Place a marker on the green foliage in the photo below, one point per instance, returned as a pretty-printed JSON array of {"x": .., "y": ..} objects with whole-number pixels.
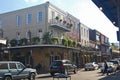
[
  {"x": 70, "y": 42},
  {"x": 23, "y": 41},
  {"x": 64, "y": 42},
  {"x": 74, "y": 44},
  {"x": 13, "y": 42},
  {"x": 54, "y": 40},
  {"x": 47, "y": 38},
  {"x": 57, "y": 18},
  {"x": 35, "y": 40}
]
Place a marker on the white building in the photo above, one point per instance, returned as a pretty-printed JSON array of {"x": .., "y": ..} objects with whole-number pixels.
[{"x": 36, "y": 21}]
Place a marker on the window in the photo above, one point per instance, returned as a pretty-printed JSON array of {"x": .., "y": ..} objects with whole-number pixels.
[
  {"x": 97, "y": 38},
  {"x": 12, "y": 66},
  {"x": 39, "y": 34},
  {"x": 19, "y": 20},
  {"x": 20, "y": 66},
  {"x": 18, "y": 36},
  {"x": 28, "y": 34},
  {"x": 39, "y": 17},
  {"x": 29, "y": 18},
  {"x": 53, "y": 15},
  {"x": 4, "y": 66}
]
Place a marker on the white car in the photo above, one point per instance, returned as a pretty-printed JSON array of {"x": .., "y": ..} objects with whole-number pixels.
[
  {"x": 91, "y": 66},
  {"x": 111, "y": 67}
]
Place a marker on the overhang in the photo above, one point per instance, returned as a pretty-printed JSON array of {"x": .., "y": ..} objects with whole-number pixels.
[{"x": 109, "y": 8}]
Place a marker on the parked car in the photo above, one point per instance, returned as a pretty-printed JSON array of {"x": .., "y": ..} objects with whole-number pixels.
[
  {"x": 116, "y": 63},
  {"x": 111, "y": 67},
  {"x": 100, "y": 65},
  {"x": 12, "y": 70},
  {"x": 91, "y": 66},
  {"x": 62, "y": 66}
]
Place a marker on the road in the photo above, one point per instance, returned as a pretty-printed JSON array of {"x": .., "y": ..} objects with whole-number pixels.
[{"x": 81, "y": 75}]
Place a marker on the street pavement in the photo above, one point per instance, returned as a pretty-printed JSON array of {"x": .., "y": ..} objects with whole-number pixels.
[{"x": 83, "y": 75}]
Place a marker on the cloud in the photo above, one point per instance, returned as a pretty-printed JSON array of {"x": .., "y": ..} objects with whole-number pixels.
[{"x": 31, "y": 1}]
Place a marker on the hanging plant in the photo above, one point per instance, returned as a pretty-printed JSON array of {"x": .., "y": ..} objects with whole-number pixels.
[
  {"x": 64, "y": 22},
  {"x": 67, "y": 23},
  {"x": 57, "y": 18},
  {"x": 60, "y": 20},
  {"x": 71, "y": 25}
]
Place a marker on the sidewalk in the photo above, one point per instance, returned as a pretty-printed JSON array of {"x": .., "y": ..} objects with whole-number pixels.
[{"x": 113, "y": 76}]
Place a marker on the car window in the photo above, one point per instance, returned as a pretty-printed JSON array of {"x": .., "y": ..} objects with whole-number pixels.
[
  {"x": 3, "y": 66},
  {"x": 115, "y": 62},
  {"x": 12, "y": 66},
  {"x": 56, "y": 63},
  {"x": 67, "y": 62},
  {"x": 20, "y": 66}
]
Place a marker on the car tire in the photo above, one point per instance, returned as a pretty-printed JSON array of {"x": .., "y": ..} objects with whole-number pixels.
[
  {"x": 32, "y": 76},
  {"x": 86, "y": 69},
  {"x": 65, "y": 71},
  {"x": 52, "y": 74},
  {"x": 75, "y": 71},
  {"x": 7, "y": 78}
]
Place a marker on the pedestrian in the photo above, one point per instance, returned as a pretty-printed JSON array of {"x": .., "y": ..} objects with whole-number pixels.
[{"x": 105, "y": 68}]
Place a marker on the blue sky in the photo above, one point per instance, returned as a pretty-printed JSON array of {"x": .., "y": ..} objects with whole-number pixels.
[{"x": 85, "y": 10}]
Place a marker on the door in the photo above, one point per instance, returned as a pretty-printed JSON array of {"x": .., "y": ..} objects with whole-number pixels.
[
  {"x": 22, "y": 72},
  {"x": 13, "y": 70}
]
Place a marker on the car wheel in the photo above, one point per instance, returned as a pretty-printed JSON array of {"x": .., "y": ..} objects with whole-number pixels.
[
  {"x": 75, "y": 70},
  {"x": 86, "y": 69},
  {"x": 7, "y": 78},
  {"x": 52, "y": 74},
  {"x": 66, "y": 71},
  {"x": 32, "y": 76}
]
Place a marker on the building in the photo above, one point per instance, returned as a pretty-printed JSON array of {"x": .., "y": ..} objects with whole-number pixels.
[
  {"x": 100, "y": 43},
  {"x": 41, "y": 21},
  {"x": 22, "y": 26},
  {"x": 84, "y": 35},
  {"x": 36, "y": 21}
]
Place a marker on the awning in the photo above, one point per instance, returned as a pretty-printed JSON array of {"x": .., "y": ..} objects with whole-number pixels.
[
  {"x": 3, "y": 41},
  {"x": 109, "y": 8}
]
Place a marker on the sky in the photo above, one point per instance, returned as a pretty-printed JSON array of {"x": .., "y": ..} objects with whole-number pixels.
[{"x": 85, "y": 10}]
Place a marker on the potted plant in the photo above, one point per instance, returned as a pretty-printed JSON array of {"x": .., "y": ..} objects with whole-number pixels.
[
  {"x": 60, "y": 20},
  {"x": 67, "y": 23},
  {"x": 57, "y": 18},
  {"x": 71, "y": 25},
  {"x": 64, "y": 22}
]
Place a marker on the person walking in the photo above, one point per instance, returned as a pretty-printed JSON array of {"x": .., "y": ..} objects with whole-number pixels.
[{"x": 105, "y": 68}]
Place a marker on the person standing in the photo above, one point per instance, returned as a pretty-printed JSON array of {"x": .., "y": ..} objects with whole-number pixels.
[{"x": 105, "y": 68}]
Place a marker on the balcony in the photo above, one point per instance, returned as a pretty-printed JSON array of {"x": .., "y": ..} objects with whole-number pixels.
[{"x": 60, "y": 25}]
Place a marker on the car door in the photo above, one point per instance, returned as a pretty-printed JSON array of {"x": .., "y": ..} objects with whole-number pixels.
[
  {"x": 13, "y": 70},
  {"x": 22, "y": 72},
  {"x": 70, "y": 66}
]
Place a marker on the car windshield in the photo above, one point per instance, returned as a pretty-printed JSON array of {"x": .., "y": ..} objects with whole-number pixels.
[{"x": 115, "y": 62}]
